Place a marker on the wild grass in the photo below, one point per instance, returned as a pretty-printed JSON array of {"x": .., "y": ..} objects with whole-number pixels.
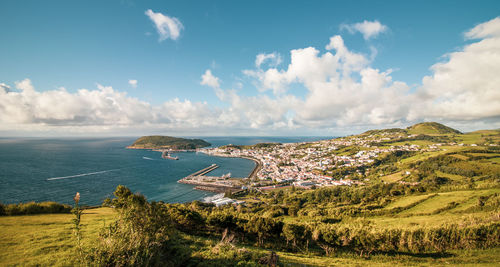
[
  {"x": 391, "y": 178},
  {"x": 405, "y": 201},
  {"x": 47, "y": 239},
  {"x": 454, "y": 177},
  {"x": 438, "y": 202},
  {"x": 428, "y": 221}
]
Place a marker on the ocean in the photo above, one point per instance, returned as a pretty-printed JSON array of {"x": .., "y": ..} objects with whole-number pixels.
[{"x": 34, "y": 169}]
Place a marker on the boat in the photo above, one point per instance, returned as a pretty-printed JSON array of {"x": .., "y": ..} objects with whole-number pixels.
[{"x": 166, "y": 155}]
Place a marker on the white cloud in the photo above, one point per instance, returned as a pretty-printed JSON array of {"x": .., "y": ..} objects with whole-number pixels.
[
  {"x": 101, "y": 110},
  {"x": 466, "y": 85},
  {"x": 274, "y": 59},
  {"x": 335, "y": 95},
  {"x": 133, "y": 83},
  {"x": 4, "y": 88},
  {"x": 167, "y": 27},
  {"x": 369, "y": 29},
  {"x": 484, "y": 30},
  {"x": 209, "y": 79},
  {"x": 341, "y": 90}
]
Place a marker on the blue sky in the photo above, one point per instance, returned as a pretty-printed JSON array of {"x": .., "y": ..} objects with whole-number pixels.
[{"x": 91, "y": 44}]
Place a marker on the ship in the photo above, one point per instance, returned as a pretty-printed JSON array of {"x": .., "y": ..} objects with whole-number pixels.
[{"x": 167, "y": 155}]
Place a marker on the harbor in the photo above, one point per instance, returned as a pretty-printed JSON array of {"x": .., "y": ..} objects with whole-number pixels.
[{"x": 213, "y": 183}]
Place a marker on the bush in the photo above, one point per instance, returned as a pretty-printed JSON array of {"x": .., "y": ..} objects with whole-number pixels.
[
  {"x": 34, "y": 208},
  {"x": 143, "y": 235}
]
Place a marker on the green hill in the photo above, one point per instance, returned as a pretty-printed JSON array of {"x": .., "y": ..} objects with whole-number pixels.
[
  {"x": 431, "y": 128},
  {"x": 382, "y": 131},
  {"x": 167, "y": 142}
]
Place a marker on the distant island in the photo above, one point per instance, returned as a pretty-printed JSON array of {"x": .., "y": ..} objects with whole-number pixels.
[{"x": 167, "y": 142}]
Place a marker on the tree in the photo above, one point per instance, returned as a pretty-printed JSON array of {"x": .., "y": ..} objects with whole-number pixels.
[{"x": 264, "y": 228}]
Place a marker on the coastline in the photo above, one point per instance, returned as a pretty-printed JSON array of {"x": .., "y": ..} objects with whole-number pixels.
[
  {"x": 208, "y": 185},
  {"x": 161, "y": 149}
]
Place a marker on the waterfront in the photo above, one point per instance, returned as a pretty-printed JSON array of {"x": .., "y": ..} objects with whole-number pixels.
[{"x": 54, "y": 169}]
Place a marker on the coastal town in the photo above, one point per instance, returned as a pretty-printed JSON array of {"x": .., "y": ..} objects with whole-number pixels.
[{"x": 310, "y": 164}]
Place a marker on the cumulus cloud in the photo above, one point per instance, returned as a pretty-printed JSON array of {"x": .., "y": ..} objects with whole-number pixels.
[
  {"x": 274, "y": 59},
  {"x": 133, "y": 83},
  {"x": 342, "y": 90},
  {"x": 101, "y": 109},
  {"x": 335, "y": 96},
  {"x": 484, "y": 30},
  {"x": 466, "y": 85},
  {"x": 4, "y": 88},
  {"x": 369, "y": 29},
  {"x": 167, "y": 27},
  {"x": 209, "y": 79}
]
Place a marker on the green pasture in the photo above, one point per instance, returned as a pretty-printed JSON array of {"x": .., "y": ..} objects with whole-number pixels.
[{"x": 47, "y": 239}]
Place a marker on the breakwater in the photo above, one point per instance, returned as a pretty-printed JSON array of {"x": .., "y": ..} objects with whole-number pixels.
[
  {"x": 204, "y": 171},
  {"x": 212, "y": 183}
]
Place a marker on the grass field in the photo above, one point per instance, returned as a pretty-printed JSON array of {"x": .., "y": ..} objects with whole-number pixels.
[
  {"x": 454, "y": 177},
  {"x": 431, "y": 221},
  {"x": 439, "y": 201},
  {"x": 495, "y": 160},
  {"x": 486, "y": 257},
  {"x": 405, "y": 201},
  {"x": 426, "y": 155},
  {"x": 46, "y": 240},
  {"x": 391, "y": 178}
]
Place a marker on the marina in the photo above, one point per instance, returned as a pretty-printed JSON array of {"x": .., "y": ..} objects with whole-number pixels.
[{"x": 213, "y": 183}]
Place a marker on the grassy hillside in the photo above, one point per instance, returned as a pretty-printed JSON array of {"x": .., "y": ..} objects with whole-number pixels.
[
  {"x": 47, "y": 240},
  {"x": 167, "y": 142},
  {"x": 431, "y": 128}
]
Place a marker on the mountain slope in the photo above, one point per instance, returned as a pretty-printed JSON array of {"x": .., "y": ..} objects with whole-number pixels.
[{"x": 431, "y": 128}]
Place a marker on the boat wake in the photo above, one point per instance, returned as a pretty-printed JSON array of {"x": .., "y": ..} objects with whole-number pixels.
[
  {"x": 147, "y": 158},
  {"x": 80, "y": 175}
]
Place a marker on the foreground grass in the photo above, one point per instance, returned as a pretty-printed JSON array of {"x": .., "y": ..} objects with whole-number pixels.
[
  {"x": 209, "y": 254},
  {"x": 487, "y": 257},
  {"x": 46, "y": 239}
]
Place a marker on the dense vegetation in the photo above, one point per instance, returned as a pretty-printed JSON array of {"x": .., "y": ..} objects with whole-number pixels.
[
  {"x": 153, "y": 233},
  {"x": 168, "y": 142},
  {"x": 33, "y": 208}
]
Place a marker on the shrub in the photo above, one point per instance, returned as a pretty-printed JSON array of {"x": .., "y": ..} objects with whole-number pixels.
[
  {"x": 34, "y": 208},
  {"x": 143, "y": 235}
]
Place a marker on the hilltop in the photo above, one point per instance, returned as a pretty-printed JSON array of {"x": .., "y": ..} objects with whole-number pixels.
[
  {"x": 431, "y": 128},
  {"x": 167, "y": 142},
  {"x": 426, "y": 128}
]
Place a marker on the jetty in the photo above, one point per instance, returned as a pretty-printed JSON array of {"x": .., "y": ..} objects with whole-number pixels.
[
  {"x": 212, "y": 183},
  {"x": 204, "y": 171}
]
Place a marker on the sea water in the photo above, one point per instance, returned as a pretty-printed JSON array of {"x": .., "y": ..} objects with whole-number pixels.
[{"x": 33, "y": 169}]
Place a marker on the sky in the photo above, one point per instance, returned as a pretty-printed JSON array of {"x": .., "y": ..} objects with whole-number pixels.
[{"x": 216, "y": 68}]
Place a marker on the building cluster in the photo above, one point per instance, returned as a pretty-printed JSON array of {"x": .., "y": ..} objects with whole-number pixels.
[{"x": 305, "y": 164}]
